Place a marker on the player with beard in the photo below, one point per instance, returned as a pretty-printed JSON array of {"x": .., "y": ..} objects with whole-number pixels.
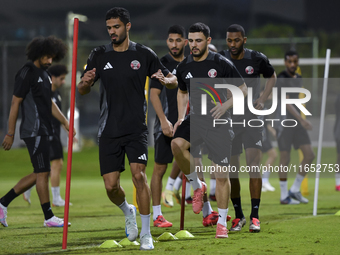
[
  {"x": 251, "y": 64},
  {"x": 204, "y": 64},
  {"x": 122, "y": 67},
  {"x": 32, "y": 91},
  {"x": 296, "y": 136},
  {"x": 164, "y": 102}
]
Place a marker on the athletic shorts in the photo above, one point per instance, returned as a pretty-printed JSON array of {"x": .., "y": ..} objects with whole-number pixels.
[
  {"x": 249, "y": 137},
  {"x": 163, "y": 152},
  {"x": 56, "y": 149},
  {"x": 39, "y": 150},
  {"x": 295, "y": 136},
  {"x": 196, "y": 152},
  {"x": 112, "y": 151},
  {"x": 266, "y": 142}
]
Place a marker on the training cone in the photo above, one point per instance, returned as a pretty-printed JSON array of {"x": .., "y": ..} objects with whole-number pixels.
[
  {"x": 166, "y": 236},
  {"x": 127, "y": 242},
  {"x": 338, "y": 213},
  {"x": 110, "y": 244},
  {"x": 183, "y": 234}
]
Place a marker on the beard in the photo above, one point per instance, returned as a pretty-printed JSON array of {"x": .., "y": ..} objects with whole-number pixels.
[
  {"x": 179, "y": 53},
  {"x": 119, "y": 39},
  {"x": 238, "y": 50},
  {"x": 200, "y": 52},
  {"x": 44, "y": 66}
]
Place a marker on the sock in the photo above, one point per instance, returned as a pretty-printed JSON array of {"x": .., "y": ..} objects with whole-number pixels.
[
  {"x": 265, "y": 176},
  {"x": 194, "y": 181},
  {"x": 222, "y": 217},
  {"x": 187, "y": 190},
  {"x": 212, "y": 186},
  {"x": 47, "y": 210},
  {"x": 145, "y": 225},
  {"x": 297, "y": 183},
  {"x": 284, "y": 189},
  {"x": 255, "y": 204},
  {"x": 55, "y": 193},
  {"x": 156, "y": 211},
  {"x": 237, "y": 206},
  {"x": 170, "y": 184},
  {"x": 178, "y": 183},
  {"x": 337, "y": 179},
  {"x": 126, "y": 208},
  {"x": 9, "y": 197},
  {"x": 206, "y": 209}
]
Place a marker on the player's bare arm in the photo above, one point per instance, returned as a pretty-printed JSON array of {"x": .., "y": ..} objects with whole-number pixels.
[
  {"x": 170, "y": 81},
  {"x": 259, "y": 103},
  {"x": 182, "y": 102},
  {"x": 60, "y": 117},
  {"x": 166, "y": 125},
  {"x": 13, "y": 115},
  {"x": 219, "y": 109},
  {"x": 84, "y": 86}
]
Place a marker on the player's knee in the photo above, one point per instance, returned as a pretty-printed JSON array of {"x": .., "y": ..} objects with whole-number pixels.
[
  {"x": 176, "y": 147},
  {"x": 139, "y": 178},
  {"x": 112, "y": 187},
  {"x": 309, "y": 157}
]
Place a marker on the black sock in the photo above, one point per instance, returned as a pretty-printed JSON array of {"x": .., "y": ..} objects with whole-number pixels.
[
  {"x": 47, "y": 210},
  {"x": 6, "y": 199},
  {"x": 238, "y": 208},
  {"x": 255, "y": 204}
]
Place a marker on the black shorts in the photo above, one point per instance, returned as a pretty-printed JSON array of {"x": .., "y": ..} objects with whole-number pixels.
[
  {"x": 112, "y": 151},
  {"x": 39, "y": 150},
  {"x": 249, "y": 137},
  {"x": 266, "y": 142},
  {"x": 163, "y": 152},
  {"x": 295, "y": 136},
  {"x": 196, "y": 152},
  {"x": 56, "y": 149}
]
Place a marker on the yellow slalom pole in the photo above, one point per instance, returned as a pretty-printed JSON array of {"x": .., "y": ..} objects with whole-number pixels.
[
  {"x": 134, "y": 197},
  {"x": 304, "y": 184}
]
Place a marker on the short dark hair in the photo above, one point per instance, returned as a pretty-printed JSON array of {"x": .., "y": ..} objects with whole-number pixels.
[
  {"x": 46, "y": 46},
  {"x": 57, "y": 70},
  {"x": 118, "y": 12},
  {"x": 177, "y": 29},
  {"x": 291, "y": 53},
  {"x": 200, "y": 27},
  {"x": 236, "y": 28}
]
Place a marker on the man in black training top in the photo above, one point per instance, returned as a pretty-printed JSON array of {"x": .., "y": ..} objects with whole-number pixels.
[
  {"x": 32, "y": 91},
  {"x": 122, "y": 67},
  {"x": 164, "y": 102},
  {"x": 251, "y": 64},
  {"x": 204, "y": 64}
]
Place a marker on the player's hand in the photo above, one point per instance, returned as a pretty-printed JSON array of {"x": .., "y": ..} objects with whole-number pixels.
[
  {"x": 218, "y": 110},
  {"x": 306, "y": 125},
  {"x": 88, "y": 77},
  {"x": 8, "y": 142},
  {"x": 259, "y": 104},
  {"x": 159, "y": 76},
  {"x": 179, "y": 122},
  {"x": 67, "y": 128},
  {"x": 167, "y": 128}
]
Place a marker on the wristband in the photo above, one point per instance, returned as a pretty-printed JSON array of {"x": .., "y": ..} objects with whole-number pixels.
[{"x": 10, "y": 135}]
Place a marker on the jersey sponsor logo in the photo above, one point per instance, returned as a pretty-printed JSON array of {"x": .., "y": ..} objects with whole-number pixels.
[
  {"x": 189, "y": 76},
  {"x": 108, "y": 66},
  {"x": 212, "y": 73},
  {"x": 142, "y": 157},
  {"x": 40, "y": 80},
  {"x": 249, "y": 70},
  {"x": 59, "y": 97},
  {"x": 174, "y": 71},
  {"x": 135, "y": 65}
]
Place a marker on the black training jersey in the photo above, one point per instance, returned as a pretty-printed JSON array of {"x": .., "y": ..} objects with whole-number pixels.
[
  {"x": 34, "y": 86},
  {"x": 251, "y": 66},
  {"x": 167, "y": 96},
  {"x": 122, "y": 87},
  {"x": 214, "y": 66},
  {"x": 56, "y": 98}
]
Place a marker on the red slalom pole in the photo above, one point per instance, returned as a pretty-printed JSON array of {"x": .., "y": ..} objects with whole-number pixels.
[
  {"x": 184, "y": 183},
  {"x": 71, "y": 129}
]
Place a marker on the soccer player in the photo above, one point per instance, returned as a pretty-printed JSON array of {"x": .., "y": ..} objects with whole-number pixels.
[
  {"x": 164, "y": 102},
  {"x": 32, "y": 91},
  {"x": 122, "y": 67},
  {"x": 251, "y": 64},
  {"x": 58, "y": 74},
  {"x": 204, "y": 64},
  {"x": 296, "y": 136},
  {"x": 337, "y": 139}
]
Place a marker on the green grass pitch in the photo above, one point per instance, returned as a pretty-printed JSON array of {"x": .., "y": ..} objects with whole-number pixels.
[{"x": 284, "y": 228}]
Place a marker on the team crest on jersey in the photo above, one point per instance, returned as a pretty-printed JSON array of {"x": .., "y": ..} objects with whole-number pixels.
[
  {"x": 249, "y": 70},
  {"x": 212, "y": 73},
  {"x": 135, "y": 65}
]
